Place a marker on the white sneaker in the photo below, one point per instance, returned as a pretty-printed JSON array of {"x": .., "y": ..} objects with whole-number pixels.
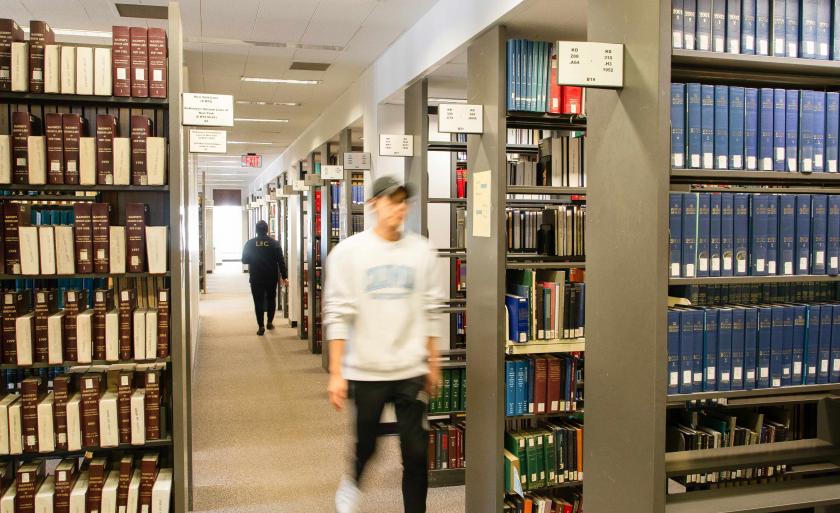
[{"x": 347, "y": 496}]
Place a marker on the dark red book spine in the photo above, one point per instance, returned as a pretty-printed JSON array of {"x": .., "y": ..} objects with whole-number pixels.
[
  {"x": 73, "y": 129},
  {"x": 139, "y": 62},
  {"x": 106, "y": 130},
  {"x": 121, "y": 60},
  {"x": 157, "y": 63},
  {"x": 30, "y": 395},
  {"x": 28, "y": 480},
  {"x": 13, "y": 303},
  {"x": 15, "y": 215},
  {"x": 9, "y": 32},
  {"x": 540, "y": 375},
  {"x": 91, "y": 393},
  {"x": 72, "y": 301},
  {"x": 61, "y": 394},
  {"x": 126, "y": 472},
  {"x": 23, "y": 125},
  {"x": 163, "y": 324},
  {"x": 96, "y": 475},
  {"x": 124, "y": 391},
  {"x": 153, "y": 387},
  {"x": 553, "y": 385},
  {"x": 555, "y": 90},
  {"x": 148, "y": 475},
  {"x": 102, "y": 303},
  {"x": 141, "y": 129},
  {"x": 64, "y": 482},
  {"x": 40, "y": 35},
  {"x": 45, "y": 305},
  {"x": 55, "y": 148},
  {"x": 136, "y": 219},
  {"x": 83, "y": 237},
  {"x": 127, "y": 305},
  {"x": 100, "y": 214}
]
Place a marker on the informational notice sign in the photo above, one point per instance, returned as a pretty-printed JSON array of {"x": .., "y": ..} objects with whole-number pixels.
[
  {"x": 459, "y": 118},
  {"x": 299, "y": 186},
  {"x": 391, "y": 145},
  {"x": 357, "y": 161},
  {"x": 208, "y": 109},
  {"x": 332, "y": 172},
  {"x": 590, "y": 64},
  {"x": 208, "y": 141}
]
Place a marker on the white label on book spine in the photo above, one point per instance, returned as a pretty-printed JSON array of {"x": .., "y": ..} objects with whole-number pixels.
[
  {"x": 818, "y": 160},
  {"x": 689, "y": 41},
  {"x": 704, "y": 264},
  {"x": 678, "y": 159},
  {"x": 809, "y": 47},
  {"x": 786, "y": 371},
  {"x": 689, "y": 270},
  {"x": 727, "y": 263},
  {"x": 797, "y": 367},
  {"x": 720, "y": 45},
  {"x": 836, "y": 365},
  {"x": 724, "y": 377},
  {"x": 803, "y": 263},
  {"x": 807, "y": 165},
  {"x": 788, "y": 268},
  {"x": 710, "y": 373},
  {"x": 703, "y": 43},
  {"x": 677, "y": 39},
  {"x": 695, "y": 160},
  {"x": 751, "y": 162},
  {"x": 763, "y": 47},
  {"x": 749, "y": 42},
  {"x": 737, "y": 372},
  {"x": 792, "y": 164},
  {"x": 708, "y": 160},
  {"x": 698, "y": 377},
  {"x": 686, "y": 377},
  {"x": 674, "y": 381},
  {"x": 779, "y": 46},
  {"x": 764, "y": 372},
  {"x": 742, "y": 266},
  {"x": 722, "y": 161},
  {"x": 824, "y": 46},
  {"x": 771, "y": 267},
  {"x": 750, "y": 374},
  {"x": 715, "y": 263},
  {"x": 734, "y": 46},
  {"x": 759, "y": 265},
  {"x": 737, "y": 161},
  {"x": 812, "y": 371},
  {"x": 777, "y": 382},
  {"x": 820, "y": 257},
  {"x": 832, "y": 166},
  {"x": 675, "y": 270},
  {"x": 780, "y": 154},
  {"x": 833, "y": 262},
  {"x": 767, "y": 164}
]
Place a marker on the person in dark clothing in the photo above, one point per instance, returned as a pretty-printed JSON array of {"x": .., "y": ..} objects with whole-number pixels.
[{"x": 265, "y": 265}]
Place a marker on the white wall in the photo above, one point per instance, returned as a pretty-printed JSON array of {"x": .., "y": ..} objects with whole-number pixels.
[{"x": 440, "y": 170}]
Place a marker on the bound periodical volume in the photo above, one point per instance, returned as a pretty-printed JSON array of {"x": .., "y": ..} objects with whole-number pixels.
[
  {"x": 549, "y": 455},
  {"x": 550, "y": 501},
  {"x": 450, "y": 395},
  {"x": 806, "y": 29},
  {"x": 557, "y": 230},
  {"x": 447, "y": 445},
  {"x": 545, "y": 305},
  {"x": 713, "y": 234},
  {"x": 756, "y": 293},
  {"x": 752, "y": 347},
  {"x": 538, "y": 385},
  {"x": 532, "y": 80},
  {"x": 766, "y": 129}
]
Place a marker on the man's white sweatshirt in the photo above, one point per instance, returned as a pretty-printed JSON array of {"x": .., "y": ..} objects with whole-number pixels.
[{"x": 381, "y": 297}]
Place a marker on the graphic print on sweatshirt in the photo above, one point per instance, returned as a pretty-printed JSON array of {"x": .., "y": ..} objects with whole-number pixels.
[{"x": 389, "y": 282}]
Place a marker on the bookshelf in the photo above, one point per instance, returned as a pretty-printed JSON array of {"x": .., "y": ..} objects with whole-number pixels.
[
  {"x": 166, "y": 204},
  {"x": 314, "y": 233},
  {"x": 283, "y": 237},
  {"x": 298, "y": 173}
]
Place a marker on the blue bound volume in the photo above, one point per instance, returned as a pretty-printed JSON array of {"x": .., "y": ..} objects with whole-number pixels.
[
  {"x": 835, "y": 52},
  {"x": 751, "y": 128},
  {"x": 823, "y": 29},
  {"x": 727, "y": 241},
  {"x": 792, "y": 130},
  {"x": 765, "y": 135},
  {"x": 803, "y": 233},
  {"x": 808, "y": 28},
  {"x": 806, "y": 131},
  {"x": 724, "y": 350},
  {"x": 765, "y": 340},
  {"x": 677, "y": 23},
  {"x": 819, "y": 232},
  {"x": 689, "y": 24},
  {"x": 832, "y": 249},
  {"x": 719, "y": 26},
  {"x": 510, "y": 388},
  {"x": 707, "y": 124},
  {"x": 812, "y": 345},
  {"x": 698, "y": 356},
  {"x": 518, "y": 316},
  {"x": 832, "y": 130},
  {"x": 748, "y": 27},
  {"x": 778, "y": 28},
  {"x": 511, "y": 92},
  {"x": 673, "y": 351},
  {"x": 721, "y": 127},
  {"x": 715, "y": 204},
  {"x": 529, "y": 386},
  {"x": 689, "y": 235},
  {"x": 787, "y": 233},
  {"x": 834, "y": 354},
  {"x": 787, "y": 346},
  {"x": 675, "y": 232},
  {"x": 704, "y": 25},
  {"x": 819, "y": 131},
  {"x": 703, "y": 232},
  {"x": 741, "y": 233},
  {"x": 751, "y": 347},
  {"x": 695, "y": 130},
  {"x": 758, "y": 235},
  {"x": 776, "y": 345},
  {"x": 710, "y": 350},
  {"x": 792, "y": 27},
  {"x": 762, "y": 27},
  {"x": 800, "y": 322},
  {"x": 686, "y": 352},
  {"x": 824, "y": 351},
  {"x": 733, "y": 26},
  {"x": 779, "y": 113},
  {"x": 678, "y": 125},
  {"x": 736, "y": 127},
  {"x": 772, "y": 234},
  {"x": 737, "y": 351}
]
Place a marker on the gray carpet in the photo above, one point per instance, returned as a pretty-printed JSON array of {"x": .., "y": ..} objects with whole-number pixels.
[{"x": 265, "y": 438}]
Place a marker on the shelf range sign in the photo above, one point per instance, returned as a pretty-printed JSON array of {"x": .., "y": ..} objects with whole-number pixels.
[
  {"x": 208, "y": 141},
  {"x": 208, "y": 109},
  {"x": 586, "y": 64},
  {"x": 459, "y": 118}
]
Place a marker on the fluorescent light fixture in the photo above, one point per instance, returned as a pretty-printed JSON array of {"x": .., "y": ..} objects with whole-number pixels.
[
  {"x": 280, "y": 80},
  {"x": 252, "y": 142},
  {"x": 261, "y": 120},
  {"x": 273, "y": 104},
  {"x": 78, "y": 32},
  {"x": 448, "y": 100}
]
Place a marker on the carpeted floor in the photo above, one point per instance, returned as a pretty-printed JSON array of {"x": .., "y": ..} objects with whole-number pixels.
[{"x": 265, "y": 439}]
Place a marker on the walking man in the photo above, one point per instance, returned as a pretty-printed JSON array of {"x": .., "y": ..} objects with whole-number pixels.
[
  {"x": 265, "y": 263},
  {"x": 380, "y": 304}
]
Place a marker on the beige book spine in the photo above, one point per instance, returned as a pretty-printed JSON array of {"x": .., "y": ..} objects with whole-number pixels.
[
  {"x": 78, "y": 497},
  {"x": 87, "y": 161},
  {"x": 74, "y": 423},
  {"x": 5, "y": 159},
  {"x": 16, "y": 428},
  {"x": 46, "y": 248},
  {"x": 151, "y": 333},
  {"x": 68, "y": 70},
  {"x": 109, "y": 493},
  {"x": 23, "y": 339},
  {"x": 45, "y": 498},
  {"x": 65, "y": 260},
  {"x": 52, "y": 67},
  {"x": 156, "y": 253},
  {"x": 5, "y": 405},
  {"x": 30, "y": 256},
  {"x": 117, "y": 249},
  {"x": 84, "y": 70},
  {"x": 36, "y": 152},
  {"x": 55, "y": 338},
  {"x": 139, "y": 319},
  {"x": 109, "y": 428},
  {"x": 134, "y": 492},
  {"x": 122, "y": 161},
  {"x": 162, "y": 491},
  {"x": 84, "y": 336},
  {"x": 156, "y": 160},
  {"x": 138, "y": 417},
  {"x": 7, "y": 503},
  {"x": 102, "y": 71},
  {"x": 112, "y": 335},
  {"x": 20, "y": 67},
  {"x": 46, "y": 427}
]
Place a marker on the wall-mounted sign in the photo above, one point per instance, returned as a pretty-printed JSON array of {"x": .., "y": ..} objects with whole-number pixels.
[
  {"x": 299, "y": 186},
  {"x": 357, "y": 161},
  {"x": 288, "y": 190},
  {"x": 251, "y": 160},
  {"x": 312, "y": 179},
  {"x": 460, "y": 118},
  {"x": 208, "y": 141},
  {"x": 590, "y": 64},
  {"x": 332, "y": 172},
  {"x": 392, "y": 145},
  {"x": 208, "y": 109}
]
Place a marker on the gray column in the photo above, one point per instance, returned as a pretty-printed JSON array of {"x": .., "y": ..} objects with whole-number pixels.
[{"x": 416, "y": 167}]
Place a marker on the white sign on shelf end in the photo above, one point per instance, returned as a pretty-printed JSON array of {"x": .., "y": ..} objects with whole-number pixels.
[
  {"x": 357, "y": 161},
  {"x": 208, "y": 109},
  {"x": 394, "y": 145},
  {"x": 332, "y": 172},
  {"x": 586, "y": 64},
  {"x": 459, "y": 118},
  {"x": 208, "y": 141}
]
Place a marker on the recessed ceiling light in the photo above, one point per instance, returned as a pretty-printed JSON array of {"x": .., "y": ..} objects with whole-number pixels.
[
  {"x": 259, "y": 120},
  {"x": 447, "y": 100},
  {"x": 78, "y": 32},
  {"x": 276, "y": 104},
  {"x": 280, "y": 80},
  {"x": 252, "y": 142}
]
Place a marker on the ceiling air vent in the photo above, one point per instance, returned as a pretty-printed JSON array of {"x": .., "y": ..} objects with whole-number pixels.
[
  {"x": 155, "y": 12},
  {"x": 309, "y": 66}
]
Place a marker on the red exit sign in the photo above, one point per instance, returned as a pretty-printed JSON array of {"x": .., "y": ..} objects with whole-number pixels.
[{"x": 251, "y": 160}]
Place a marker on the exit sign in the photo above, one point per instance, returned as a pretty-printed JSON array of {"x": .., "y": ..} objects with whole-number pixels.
[{"x": 251, "y": 160}]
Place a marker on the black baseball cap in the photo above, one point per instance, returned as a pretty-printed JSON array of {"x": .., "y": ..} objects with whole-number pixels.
[{"x": 387, "y": 185}]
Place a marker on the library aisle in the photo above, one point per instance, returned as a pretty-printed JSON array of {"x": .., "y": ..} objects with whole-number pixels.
[{"x": 264, "y": 436}]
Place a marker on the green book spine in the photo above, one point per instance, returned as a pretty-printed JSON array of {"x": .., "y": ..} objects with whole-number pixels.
[
  {"x": 463, "y": 389},
  {"x": 533, "y": 463},
  {"x": 541, "y": 458},
  {"x": 550, "y": 463},
  {"x": 446, "y": 392},
  {"x": 455, "y": 398}
]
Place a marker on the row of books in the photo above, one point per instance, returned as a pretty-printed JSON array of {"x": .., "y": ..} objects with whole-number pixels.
[
  {"x": 59, "y": 152},
  {"x": 88, "y": 407},
  {"x": 562, "y": 161},
  {"x": 536, "y": 385},
  {"x": 532, "y": 80},
  {"x": 526, "y": 136},
  {"x": 781, "y": 28},
  {"x": 557, "y": 230},
  {"x": 122, "y": 486},
  {"x": 718, "y": 295},
  {"x": 90, "y": 245},
  {"x": 135, "y": 64},
  {"x": 357, "y": 223},
  {"x": 733, "y": 127},
  {"x": 460, "y": 274},
  {"x": 461, "y": 182},
  {"x": 113, "y": 331},
  {"x": 460, "y": 338},
  {"x": 358, "y": 192},
  {"x": 746, "y": 348},
  {"x": 11, "y": 379},
  {"x": 447, "y": 445},
  {"x": 545, "y": 456},
  {"x": 740, "y": 234},
  {"x": 545, "y": 304},
  {"x": 450, "y": 395},
  {"x": 548, "y": 501}
]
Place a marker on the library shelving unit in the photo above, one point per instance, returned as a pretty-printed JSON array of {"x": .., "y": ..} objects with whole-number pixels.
[
  {"x": 299, "y": 173},
  {"x": 166, "y": 204},
  {"x": 314, "y": 232},
  {"x": 283, "y": 192}
]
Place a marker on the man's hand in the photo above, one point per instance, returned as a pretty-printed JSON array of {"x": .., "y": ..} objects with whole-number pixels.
[
  {"x": 432, "y": 378},
  {"x": 337, "y": 390}
]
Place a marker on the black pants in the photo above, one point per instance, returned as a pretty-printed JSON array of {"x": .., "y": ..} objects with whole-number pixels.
[
  {"x": 265, "y": 301},
  {"x": 370, "y": 397}
]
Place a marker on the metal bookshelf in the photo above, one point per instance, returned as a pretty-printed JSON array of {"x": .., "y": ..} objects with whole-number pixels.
[
  {"x": 167, "y": 204},
  {"x": 313, "y": 250}
]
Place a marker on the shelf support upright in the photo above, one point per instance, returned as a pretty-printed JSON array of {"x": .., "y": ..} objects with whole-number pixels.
[
  {"x": 310, "y": 252},
  {"x": 416, "y": 167},
  {"x": 486, "y": 77},
  {"x": 627, "y": 155},
  {"x": 345, "y": 207},
  {"x": 301, "y": 251}
]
